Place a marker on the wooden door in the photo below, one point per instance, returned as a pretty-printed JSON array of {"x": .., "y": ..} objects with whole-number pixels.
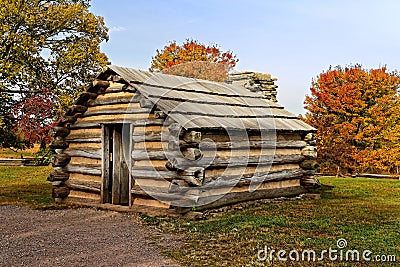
[{"x": 116, "y": 164}]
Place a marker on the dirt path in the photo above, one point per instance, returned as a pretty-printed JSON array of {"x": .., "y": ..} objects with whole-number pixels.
[{"x": 81, "y": 237}]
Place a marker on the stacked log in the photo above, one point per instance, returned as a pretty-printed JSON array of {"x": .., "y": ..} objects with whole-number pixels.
[
  {"x": 256, "y": 82},
  {"x": 309, "y": 164},
  {"x": 185, "y": 146},
  {"x": 151, "y": 178},
  {"x": 221, "y": 171},
  {"x": 60, "y": 160}
]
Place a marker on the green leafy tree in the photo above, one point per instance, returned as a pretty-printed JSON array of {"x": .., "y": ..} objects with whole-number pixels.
[{"x": 46, "y": 45}]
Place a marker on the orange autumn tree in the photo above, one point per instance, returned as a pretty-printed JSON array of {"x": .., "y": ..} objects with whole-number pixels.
[
  {"x": 357, "y": 114},
  {"x": 194, "y": 60}
]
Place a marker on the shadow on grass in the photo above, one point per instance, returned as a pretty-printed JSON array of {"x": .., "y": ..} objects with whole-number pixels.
[
  {"x": 27, "y": 186},
  {"x": 326, "y": 191},
  {"x": 33, "y": 196}
]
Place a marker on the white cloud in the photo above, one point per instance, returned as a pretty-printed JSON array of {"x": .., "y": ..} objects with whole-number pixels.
[{"x": 117, "y": 29}]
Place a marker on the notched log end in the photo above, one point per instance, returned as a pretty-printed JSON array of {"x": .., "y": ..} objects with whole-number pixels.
[
  {"x": 78, "y": 109},
  {"x": 175, "y": 130},
  {"x": 60, "y": 160},
  {"x": 193, "y": 176},
  {"x": 60, "y": 192},
  {"x": 58, "y": 176},
  {"x": 59, "y": 144},
  {"x": 192, "y": 137},
  {"x": 59, "y": 131},
  {"x": 67, "y": 119},
  {"x": 310, "y": 182},
  {"x": 309, "y": 164},
  {"x": 309, "y": 152},
  {"x": 160, "y": 115},
  {"x": 101, "y": 84},
  {"x": 145, "y": 103},
  {"x": 85, "y": 96}
]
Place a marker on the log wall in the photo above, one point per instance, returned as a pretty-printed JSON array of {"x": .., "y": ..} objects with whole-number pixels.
[
  {"x": 149, "y": 161},
  {"x": 232, "y": 164},
  {"x": 78, "y": 138}
]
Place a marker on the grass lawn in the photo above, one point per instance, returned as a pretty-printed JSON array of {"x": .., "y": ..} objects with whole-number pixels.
[
  {"x": 26, "y": 185},
  {"x": 8, "y": 153},
  {"x": 365, "y": 212}
]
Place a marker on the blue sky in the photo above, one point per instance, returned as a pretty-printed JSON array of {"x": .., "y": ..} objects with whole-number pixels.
[{"x": 292, "y": 40}]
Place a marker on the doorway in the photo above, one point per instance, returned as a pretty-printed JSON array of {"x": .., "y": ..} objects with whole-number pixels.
[{"x": 116, "y": 177}]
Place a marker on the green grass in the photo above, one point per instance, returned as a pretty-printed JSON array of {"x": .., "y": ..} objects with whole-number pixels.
[
  {"x": 366, "y": 212},
  {"x": 26, "y": 186},
  {"x": 8, "y": 153}
]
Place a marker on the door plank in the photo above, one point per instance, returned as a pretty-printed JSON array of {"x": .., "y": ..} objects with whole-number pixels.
[
  {"x": 105, "y": 174},
  {"x": 116, "y": 179},
  {"x": 125, "y": 163}
]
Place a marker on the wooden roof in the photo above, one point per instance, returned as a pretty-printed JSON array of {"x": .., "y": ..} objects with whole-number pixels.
[{"x": 195, "y": 103}]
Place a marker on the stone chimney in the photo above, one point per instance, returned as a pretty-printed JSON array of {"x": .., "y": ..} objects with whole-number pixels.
[{"x": 261, "y": 83}]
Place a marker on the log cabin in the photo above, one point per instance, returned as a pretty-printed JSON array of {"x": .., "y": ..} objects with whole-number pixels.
[{"x": 136, "y": 138}]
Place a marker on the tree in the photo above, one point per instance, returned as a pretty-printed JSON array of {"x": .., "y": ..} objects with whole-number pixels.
[
  {"x": 34, "y": 118},
  {"x": 195, "y": 60},
  {"x": 356, "y": 112},
  {"x": 51, "y": 45}
]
